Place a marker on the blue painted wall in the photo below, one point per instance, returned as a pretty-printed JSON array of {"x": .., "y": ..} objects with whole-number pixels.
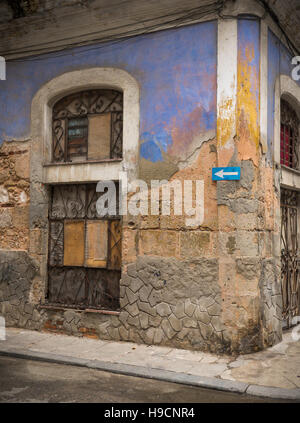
[
  {"x": 176, "y": 70},
  {"x": 279, "y": 62}
]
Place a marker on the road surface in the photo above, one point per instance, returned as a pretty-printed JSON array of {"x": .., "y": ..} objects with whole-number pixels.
[{"x": 35, "y": 381}]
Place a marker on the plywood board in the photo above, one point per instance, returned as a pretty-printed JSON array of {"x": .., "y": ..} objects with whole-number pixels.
[
  {"x": 115, "y": 245},
  {"x": 73, "y": 243},
  {"x": 96, "y": 243},
  {"x": 99, "y": 136}
]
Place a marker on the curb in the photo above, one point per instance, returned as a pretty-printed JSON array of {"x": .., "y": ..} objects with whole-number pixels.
[{"x": 158, "y": 374}]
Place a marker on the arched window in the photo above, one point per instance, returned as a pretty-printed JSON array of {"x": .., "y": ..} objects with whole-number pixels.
[
  {"x": 289, "y": 136},
  {"x": 69, "y": 156},
  {"x": 88, "y": 125}
]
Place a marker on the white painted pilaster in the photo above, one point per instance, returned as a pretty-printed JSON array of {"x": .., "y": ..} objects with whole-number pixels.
[
  {"x": 264, "y": 86},
  {"x": 226, "y": 82}
]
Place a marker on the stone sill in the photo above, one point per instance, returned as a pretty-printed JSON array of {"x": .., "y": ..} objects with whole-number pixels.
[
  {"x": 78, "y": 310},
  {"x": 84, "y": 172},
  {"x": 290, "y": 169},
  {"x": 290, "y": 178},
  {"x": 81, "y": 162}
]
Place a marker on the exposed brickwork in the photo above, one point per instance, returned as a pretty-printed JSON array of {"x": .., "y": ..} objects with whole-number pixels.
[{"x": 14, "y": 195}]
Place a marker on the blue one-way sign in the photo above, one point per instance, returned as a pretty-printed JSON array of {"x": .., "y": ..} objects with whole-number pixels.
[{"x": 226, "y": 173}]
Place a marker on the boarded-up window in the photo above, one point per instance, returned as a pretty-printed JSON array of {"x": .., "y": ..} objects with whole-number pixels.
[
  {"x": 84, "y": 250},
  {"x": 88, "y": 126}
]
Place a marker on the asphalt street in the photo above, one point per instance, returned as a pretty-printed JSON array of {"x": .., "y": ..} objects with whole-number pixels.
[{"x": 26, "y": 381}]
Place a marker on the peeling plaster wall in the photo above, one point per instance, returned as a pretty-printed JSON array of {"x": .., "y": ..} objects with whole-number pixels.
[
  {"x": 176, "y": 70},
  {"x": 212, "y": 287},
  {"x": 169, "y": 287},
  {"x": 248, "y": 268},
  {"x": 184, "y": 111}
]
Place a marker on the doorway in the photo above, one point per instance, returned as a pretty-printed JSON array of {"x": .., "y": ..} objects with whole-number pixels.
[{"x": 290, "y": 260}]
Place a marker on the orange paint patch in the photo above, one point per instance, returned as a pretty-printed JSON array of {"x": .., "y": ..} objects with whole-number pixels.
[
  {"x": 269, "y": 198},
  {"x": 225, "y": 155},
  {"x": 247, "y": 150},
  {"x": 201, "y": 169}
]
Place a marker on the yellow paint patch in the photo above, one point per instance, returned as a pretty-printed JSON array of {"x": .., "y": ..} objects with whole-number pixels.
[
  {"x": 247, "y": 108},
  {"x": 226, "y": 122}
]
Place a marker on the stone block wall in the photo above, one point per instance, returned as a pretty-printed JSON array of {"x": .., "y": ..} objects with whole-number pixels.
[
  {"x": 17, "y": 273},
  {"x": 211, "y": 288},
  {"x": 172, "y": 302}
]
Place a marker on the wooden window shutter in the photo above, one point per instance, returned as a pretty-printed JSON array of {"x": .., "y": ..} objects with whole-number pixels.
[
  {"x": 96, "y": 243},
  {"x": 99, "y": 136},
  {"x": 115, "y": 243},
  {"x": 73, "y": 243}
]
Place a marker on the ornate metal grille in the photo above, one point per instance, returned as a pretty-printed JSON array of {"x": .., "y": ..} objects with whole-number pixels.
[
  {"x": 289, "y": 255},
  {"x": 80, "y": 274},
  {"x": 71, "y": 117},
  {"x": 289, "y": 136}
]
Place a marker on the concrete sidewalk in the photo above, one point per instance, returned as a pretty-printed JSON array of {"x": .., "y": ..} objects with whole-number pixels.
[{"x": 273, "y": 373}]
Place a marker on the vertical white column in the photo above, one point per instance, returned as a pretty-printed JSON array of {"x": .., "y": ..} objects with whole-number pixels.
[
  {"x": 264, "y": 86},
  {"x": 226, "y": 131},
  {"x": 2, "y": 69},
  {"x": 227, "y": 87}
]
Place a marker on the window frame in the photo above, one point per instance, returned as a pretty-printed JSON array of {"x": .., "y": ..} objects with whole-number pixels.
[
  {"x": 44, "y": 173},
  {"x": 60, "y": 214},
  {"x": 86, "y": 104}
]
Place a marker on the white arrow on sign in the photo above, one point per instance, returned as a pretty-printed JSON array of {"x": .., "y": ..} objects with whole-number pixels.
[{"x": 221, "y": 173}]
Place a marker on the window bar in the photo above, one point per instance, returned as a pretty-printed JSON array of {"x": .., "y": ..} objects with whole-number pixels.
[{"x": 66, "y": 140}]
